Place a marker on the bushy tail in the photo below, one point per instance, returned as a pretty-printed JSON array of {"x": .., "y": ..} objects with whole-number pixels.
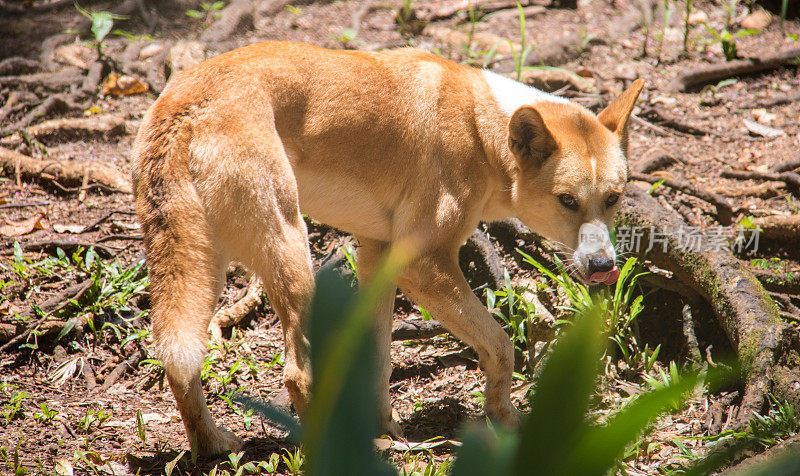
[{"x": 180, "y": 255}]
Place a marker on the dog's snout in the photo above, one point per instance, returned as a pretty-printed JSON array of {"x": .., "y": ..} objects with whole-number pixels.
[{"x": 600, "y": 264}]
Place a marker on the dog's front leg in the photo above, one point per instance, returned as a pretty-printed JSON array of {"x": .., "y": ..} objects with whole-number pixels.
[
  {"x": 436, "y": 283},
  {"x": 369, "y": 255}
]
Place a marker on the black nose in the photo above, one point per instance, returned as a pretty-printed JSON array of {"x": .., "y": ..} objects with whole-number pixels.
[{"x": 600, "y": 265}]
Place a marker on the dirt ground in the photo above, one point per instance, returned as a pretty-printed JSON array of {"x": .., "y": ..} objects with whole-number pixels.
[{"x": 436, "y": 382}]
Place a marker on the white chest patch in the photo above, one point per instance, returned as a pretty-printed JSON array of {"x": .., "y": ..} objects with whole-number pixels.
[{"x": 510, "y": 94}]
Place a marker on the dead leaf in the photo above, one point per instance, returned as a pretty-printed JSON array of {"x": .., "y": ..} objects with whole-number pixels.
[
  {"x": 758, "y": 20},
  {"x": 8, "y": 309},
  {"x": 698, "y": 17},
  {"x": 151, "y": 50},
  {"x": 64, "y": 467},
  {"x": 71, "y": 228},
  {"x": 76, "y": 54},
  {"x": 762, "y": 130},
  {"x": 18, "y": 228},
  {"x": 764, "y": 117},
  {"x": 123, "y": 85}
]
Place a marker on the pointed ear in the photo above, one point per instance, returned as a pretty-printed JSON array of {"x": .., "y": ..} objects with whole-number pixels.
[
  {"x": 616, "y": 115},
  {"x": 528, "y": 136}
]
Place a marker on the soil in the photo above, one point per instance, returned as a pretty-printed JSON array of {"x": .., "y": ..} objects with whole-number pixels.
[{"x": 436, "y": 382}]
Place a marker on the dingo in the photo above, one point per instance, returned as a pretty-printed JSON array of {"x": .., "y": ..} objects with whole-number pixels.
[{"x": 382, "y": 145}]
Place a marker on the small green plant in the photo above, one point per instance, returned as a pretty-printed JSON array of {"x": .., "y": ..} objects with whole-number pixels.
[
  {"x": 403, "y": 16},
  {"x": 748, "y": 223},
  {"x": 208, "y": 12},
  {"x": 13, "y": 409},
  {"x": 655, "y": 186},
  {"x": 727, "y": 40},
  {"x": 619, "y": 305},
  {"x": 92, "y": 420},
  {"x": 102, "y": 23},
  {"x": 520, "y": 56},
  {"x": 271, "y": 465},
  {"x": 345, "y": 36},
  {"x": 141, "y": 430},
  {"x": 46, "y": 415},
  {"x": 667, "y": 14},
  {"x": 686, "y": 14},
  {"x": 294, "y": 460},
  {"x": 13, "y": 462}
]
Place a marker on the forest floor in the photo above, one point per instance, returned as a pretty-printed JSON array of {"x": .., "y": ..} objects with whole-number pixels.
[{"x": 65, "y": 408}]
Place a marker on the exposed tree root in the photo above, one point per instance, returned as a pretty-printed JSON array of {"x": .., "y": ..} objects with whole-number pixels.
[
  {"x": 433, "y": 11},
  {"x": 661, "y": 118},
  {"x": 791, "y": 179},
  {"x": 410, "y": 329},
  {"x": 743, "y": 309},
  {"x": 69, "y": 246},
  {"x": 481, "y": 244},
  {"x": 64, "y": 171},
  {"x": 94, "y": 127},
  {"x": 236, "y": 17},
  {"x": 234, "y": 313},
  {"x": 55, "y": 103},
  {"x": 656, "y": 162},
  {"x": 724, "y": 209},
  {"x": 130, "y": 363},
  {"x": 784, "y": 228},
  {"x": 696, "y": 77},
  {"x": 779, "y": 283},
  {"x": 12, "y": 334},
  {"x": 18, "y": 65},
  {"x": 58, "y": 81}
]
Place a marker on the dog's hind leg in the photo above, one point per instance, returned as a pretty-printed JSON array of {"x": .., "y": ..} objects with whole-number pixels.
[{"x": 256, "y": 211}]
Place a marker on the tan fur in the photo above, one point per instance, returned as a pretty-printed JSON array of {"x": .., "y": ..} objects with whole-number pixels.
[{"x": 385, "y": 146}]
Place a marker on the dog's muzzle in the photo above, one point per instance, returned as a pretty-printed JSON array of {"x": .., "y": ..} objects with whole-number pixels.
[{"x": 596, "y": 254}]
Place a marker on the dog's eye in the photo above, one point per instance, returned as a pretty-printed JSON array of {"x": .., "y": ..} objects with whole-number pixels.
[
  {"x": 568, "y": 201},
  {"x": 612, "y": 200}
]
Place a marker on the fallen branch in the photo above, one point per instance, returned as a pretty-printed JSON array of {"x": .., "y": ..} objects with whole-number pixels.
[
  {"x": 695, "y": 77},
  {"x": 234, "y": 313},
  {"x": 65, "y": 171},
  {"x": 791, "y": 179},
  {"x": 130, "y": 363},
  {"x": 724, "y": 209},
  {"x": 13, "y": 334},
  {"x": 95, "y": 127}
]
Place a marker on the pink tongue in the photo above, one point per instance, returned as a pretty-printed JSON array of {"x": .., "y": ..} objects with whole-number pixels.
[{"x": 607, "y": 277}]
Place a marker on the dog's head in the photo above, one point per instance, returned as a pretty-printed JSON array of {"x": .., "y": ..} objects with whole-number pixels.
[{"x": 571, "y": 172}]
